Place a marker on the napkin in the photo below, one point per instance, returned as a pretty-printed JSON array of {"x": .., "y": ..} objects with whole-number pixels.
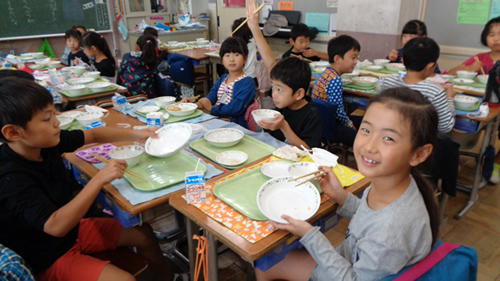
[{"x": 291, "y": 153}]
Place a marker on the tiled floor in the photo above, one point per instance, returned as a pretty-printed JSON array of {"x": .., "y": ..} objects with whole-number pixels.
[{"x": 479, "y": 228}]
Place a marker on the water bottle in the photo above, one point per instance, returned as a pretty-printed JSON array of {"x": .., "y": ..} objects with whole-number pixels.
[{"x": 211, "y": 44}]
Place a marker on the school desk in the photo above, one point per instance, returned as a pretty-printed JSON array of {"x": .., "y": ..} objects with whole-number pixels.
[
  {"x": 490, "y": 125},
  {"x": 216, "y": 231}
]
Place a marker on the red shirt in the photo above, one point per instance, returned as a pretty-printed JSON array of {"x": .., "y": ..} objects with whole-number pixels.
[{"x": 485, "y": 58}]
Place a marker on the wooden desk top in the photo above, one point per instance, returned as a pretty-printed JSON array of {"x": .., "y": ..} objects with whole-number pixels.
[
  {"x": 194, "y": 54},
  {"x": 237, "y": 243}
]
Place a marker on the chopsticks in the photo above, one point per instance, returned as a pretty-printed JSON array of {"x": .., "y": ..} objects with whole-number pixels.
[
  {"x": 191, "y": 99},
  {"x": 477, "y": 60},
  {"x": 293, "y": 55},
  {"x": 245, "y": 21},
  {"x": 104, "y": 160},
  {"x": 319, "y": 174}
]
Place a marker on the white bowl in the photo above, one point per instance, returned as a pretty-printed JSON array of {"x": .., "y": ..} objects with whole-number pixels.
[
  {"x": 231, "y": 158},
  {"x": 54, "y": 63},
  {"x": 447, "y": 76},
  {"x": 279, "y": 197},
  {"x": 302, "y": 168},
  {"x": 77, "y": 70},
  {"x": 191, "y": 42},
  {"x": 264, "y": 114},
  {"x": 185, "y": 109},
  {"x": 365, "y": 81},
  {"x": 202, "y": 42},
  {"x": 75, "y": 89},
  {"x": 395, "y": 66},
  {"x": 200, "y": 39},
  {"x": 466, "y": 74},
  {"x": 483, "y": 78},
  {"x": 276, "y": 169},
  {"x": 98, "y": 87},
  {"x": 164, "y": 101},
  {"x": 224, "y": 137},
  {"x": 381, "y": 62},
  {"x": 148, "y": 108},
  {"x": 76, "y": 81},
  {"x": 92, "y": 74},
  {"x": 319, "y": 69},
  {"x": 42, "y": 62},
  {"x": 130, "y": 153},
  {"x": 171, "y": 140},
  {"x": 26, "y": 58},
  {"x": 89, "y": 117},
  {"x": 346, "y": 81},
  {"x": 65, "y": 121},
  {"x": 465, "y": 102},
  {"x": 374, "y": 67},
  {"x": 73, "y": 114},
  {"x": 462, "y": 81},
  {"x": 37, "y": 54},
  {"x": 350, "y": 75},
  {"x": 319, "y": 64}
]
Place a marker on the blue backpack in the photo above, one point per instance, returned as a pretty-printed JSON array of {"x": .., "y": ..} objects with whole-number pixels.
[
  {"x": 445, "y": 262},
  {"x": 181, "y": 69}
]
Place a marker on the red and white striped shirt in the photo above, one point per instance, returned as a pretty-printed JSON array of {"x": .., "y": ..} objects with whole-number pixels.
[{"x": 225, "y": 92}]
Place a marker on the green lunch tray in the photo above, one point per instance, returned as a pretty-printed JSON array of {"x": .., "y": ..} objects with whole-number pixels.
[
  {"x": 255, "y": 149},
  {"x": 174, "y": 119},
  {"x": 162, "y": 172},
  {"x": 44, "y": 67},
  {"x": 240, "y": 193},
  {"x": 88, "y": 92},
  {"x": 383, "y": 70},
  {"x": 357, "y": 87},
  {"x": 75, "y": 125},
  {"x": 476, "y": 83}
]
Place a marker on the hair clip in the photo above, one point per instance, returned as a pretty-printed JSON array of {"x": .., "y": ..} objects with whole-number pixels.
[
  {"x": 149, "y": 41},
  {"x": 101, "y": 37}
]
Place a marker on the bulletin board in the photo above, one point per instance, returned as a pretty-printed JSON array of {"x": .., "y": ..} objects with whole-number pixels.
[
  {"x": 22, "y": 19},
  {"x": 307, "y": 6},
  {"x": 442, "y": 26}
]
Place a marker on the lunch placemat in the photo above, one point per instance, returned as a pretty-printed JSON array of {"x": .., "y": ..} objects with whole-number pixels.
[{"x": 255, "y": 149}]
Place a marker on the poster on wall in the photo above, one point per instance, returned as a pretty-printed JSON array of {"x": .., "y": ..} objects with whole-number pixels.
[
  {"x": 473, "y": 11},
  {"x": 286, "y": 6},
  {"x": 233, "y": 3},
  {"x": 495, "y": 9},
  {"x": 332, "y": 3}
]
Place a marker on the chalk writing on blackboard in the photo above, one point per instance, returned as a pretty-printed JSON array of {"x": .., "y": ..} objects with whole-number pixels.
[
  {"x": 27, "y": 11},
  {"x": 12, "y": 15},
  {"x": 53, "y": 9}
]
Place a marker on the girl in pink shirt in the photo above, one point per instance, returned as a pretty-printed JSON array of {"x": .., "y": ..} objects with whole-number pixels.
[{"x": 490, "y": 37}]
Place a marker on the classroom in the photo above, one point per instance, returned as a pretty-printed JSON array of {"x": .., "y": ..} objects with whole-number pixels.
[{"x": 250, "y": 140}]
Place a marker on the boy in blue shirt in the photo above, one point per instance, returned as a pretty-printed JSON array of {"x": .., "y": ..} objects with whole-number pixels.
[
  {"x": 300, "y": 37},
  {"x": 300, "y": 122},
  {"x": 39, "y": 220}
]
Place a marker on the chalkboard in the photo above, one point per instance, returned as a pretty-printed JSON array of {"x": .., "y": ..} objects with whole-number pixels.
[
  {"x": 38, "y": 18},
  {"x": 442, "y": 26}
]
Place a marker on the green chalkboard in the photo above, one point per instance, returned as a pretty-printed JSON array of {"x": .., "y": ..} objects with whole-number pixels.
[{"x": 22, "y": 18}]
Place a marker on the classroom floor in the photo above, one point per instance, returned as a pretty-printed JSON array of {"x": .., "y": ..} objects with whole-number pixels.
[{"x": 479, "y": 228}]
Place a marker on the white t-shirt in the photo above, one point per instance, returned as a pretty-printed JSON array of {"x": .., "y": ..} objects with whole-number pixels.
[{"x": 249, "y": 67}]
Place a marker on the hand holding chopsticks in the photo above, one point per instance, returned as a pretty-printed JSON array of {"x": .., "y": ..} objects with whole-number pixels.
[
  {"x": 478, "y": 61},
  {"x": 193, "y": 99},
  {"x": 104, "y": 160},
  {"x": 315, "y": 174},
  {"x": 245, "y": 21},
  {"x": 293, "y": 55}
]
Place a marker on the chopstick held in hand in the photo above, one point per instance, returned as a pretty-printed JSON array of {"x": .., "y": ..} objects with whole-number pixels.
[{"x": 245, "y": 21}]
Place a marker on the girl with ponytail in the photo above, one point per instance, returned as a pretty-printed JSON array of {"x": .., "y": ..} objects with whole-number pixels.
[
  {"x": 95, "y": 46},
  {"x": 395, "y": 223},
  {"x": 138, "y": 69}
]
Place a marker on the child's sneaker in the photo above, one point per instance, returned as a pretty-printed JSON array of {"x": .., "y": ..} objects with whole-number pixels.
[{"x": 495, "y": 177}]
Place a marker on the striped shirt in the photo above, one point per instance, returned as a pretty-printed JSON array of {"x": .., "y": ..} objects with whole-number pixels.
[
  {"x": 225, "y": 92},
  {"x": 329, "y": 87},
  {"x": 434, "y": 93}
]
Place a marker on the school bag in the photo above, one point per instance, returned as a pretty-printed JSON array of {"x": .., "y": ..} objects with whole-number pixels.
[
  {"x": 167, "y": 87},
  {"x": 181, "y": 69},
  {"x": 446, "y": 262}
]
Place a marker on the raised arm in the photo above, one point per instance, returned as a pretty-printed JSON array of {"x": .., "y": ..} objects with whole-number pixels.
[{"x": 264, "y": 49}]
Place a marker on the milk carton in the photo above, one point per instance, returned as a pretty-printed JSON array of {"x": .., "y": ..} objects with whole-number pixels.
[
  {"x": 154, "y": 119},
  {"x": 119, "y": 102},
  {"x": 195, "y": 187}
]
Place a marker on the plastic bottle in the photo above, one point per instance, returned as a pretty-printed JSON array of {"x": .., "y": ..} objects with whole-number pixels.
[{"x": 211, "y": 44}]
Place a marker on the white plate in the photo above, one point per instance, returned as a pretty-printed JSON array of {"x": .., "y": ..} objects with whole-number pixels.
[
  {"x": 148, "y": 108},
  {"x": 276, "y": 169},
  {"x": 302, "y": 168},
  {"x": 72, "y": 114},
  {"x": 375, "y": 67},
  {"x": 77, "y": 81},
  {"x": 171, "y": 140},
  {"x": 231, "y": 158},
  {"x": 224, "y": 137},
  {"x": 463, "y": 81},
  {"x": 279, "y": 197}
]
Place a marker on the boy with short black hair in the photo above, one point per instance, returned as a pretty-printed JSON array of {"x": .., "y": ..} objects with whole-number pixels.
[
  {"x": 73, "y": 37},
  {"x": 420, "y": 57},
  {"x": 343, "y": 52},
  {"x": 300, "y": 122},
  {"x": 300, "y": 36},
  {"x": 16, "y": 73},
  {"x": 38, "y": 218}
]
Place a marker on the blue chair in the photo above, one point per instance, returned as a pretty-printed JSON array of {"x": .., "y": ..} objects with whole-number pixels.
[{"x": 334, "y": 135}]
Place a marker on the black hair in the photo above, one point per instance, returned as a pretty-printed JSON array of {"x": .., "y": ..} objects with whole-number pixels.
[
  {"x": 341, "y": 45},
  {"x": 151, "y": 31},
  {"x": 79, "y": 26},
  {"x": 244, "y": 31},
  {"x": 20, "y": 99},
  {"x": 415, "y": 27},
  {"x": 91, "y": 38},
  {"x": 147, "y": 44},
  {"x": 300, "y": 29},
  {"x": 75, "y": 33},
  {"x": 233, "y": 45},
  {"x": 487, "y": 29},
  {"x": 420, "y": 51},
  {"x": 422, "y": 117},
  {"x": 293, "y": 72},
  {"x": 16, "y": 73}
]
